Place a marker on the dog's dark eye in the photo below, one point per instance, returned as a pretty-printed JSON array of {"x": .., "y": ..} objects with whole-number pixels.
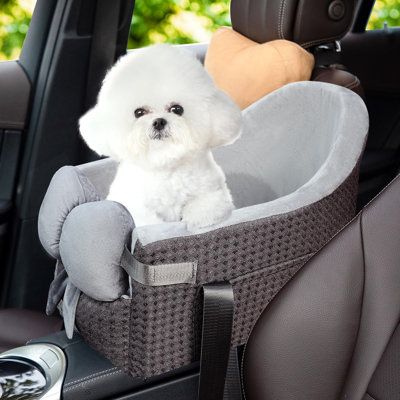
[
  {"x": 139, "y": 112},
  {"x": 176, "y": 109}
]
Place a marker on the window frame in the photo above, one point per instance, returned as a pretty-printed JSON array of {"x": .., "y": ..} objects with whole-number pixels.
[{"x": 363, "y": 15}]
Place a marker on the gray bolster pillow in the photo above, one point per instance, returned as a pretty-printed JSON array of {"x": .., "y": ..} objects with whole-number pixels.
[
  {"x": 68, "y": 188},
  {"x": 92, "y": 242},
  {"x": 86, "y": 234}
]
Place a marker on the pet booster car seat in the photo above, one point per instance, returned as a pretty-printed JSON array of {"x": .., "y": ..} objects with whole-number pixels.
[{"x": 133, "y": 292}]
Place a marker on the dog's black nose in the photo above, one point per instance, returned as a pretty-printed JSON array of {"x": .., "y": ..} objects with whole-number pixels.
[{"x": 159, "y": 124}]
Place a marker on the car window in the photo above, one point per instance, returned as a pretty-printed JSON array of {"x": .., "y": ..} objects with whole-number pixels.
[
  {"x": 176, "y": 21},
  {"x": 15, "y": 16},
  {"x": 384, "y": 13}
]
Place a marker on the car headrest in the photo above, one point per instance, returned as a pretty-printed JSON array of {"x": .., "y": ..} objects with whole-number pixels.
[{"x": 306, "y": 22}]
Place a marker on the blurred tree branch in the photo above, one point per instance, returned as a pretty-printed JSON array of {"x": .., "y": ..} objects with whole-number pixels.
[
  {"x": 155, "y": 21},
  {"x": 385, "y": 11},
  {"x": 14, "y": 23},
  {"x": 176, "y": 21}
]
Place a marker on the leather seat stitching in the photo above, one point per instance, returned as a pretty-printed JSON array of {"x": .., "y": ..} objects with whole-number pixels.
[
  {"x": 317, "y": 41},
  {"x": 280, "y": 21},
  {"x": 91, "y": 380},
  {"x": 90, "y": 376},
  {"x": 283, "y": 18},
  {"x": 360, "y": 227}
]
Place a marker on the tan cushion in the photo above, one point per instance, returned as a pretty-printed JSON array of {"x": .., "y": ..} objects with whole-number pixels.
[{"x": 247, "y": 70}]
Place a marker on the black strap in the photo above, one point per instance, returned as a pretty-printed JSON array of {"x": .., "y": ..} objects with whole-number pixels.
[
  {"x": 215, "y": 340},
  {"x": 103, "y": 46},
  {"x": 233, "y": 387}
]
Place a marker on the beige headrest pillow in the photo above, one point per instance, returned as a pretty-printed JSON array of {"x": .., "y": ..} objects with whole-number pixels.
[{"x": 248, "y": 70}]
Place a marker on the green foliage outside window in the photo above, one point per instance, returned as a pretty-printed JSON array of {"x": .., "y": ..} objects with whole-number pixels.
[
  {"x": 176, "y": 21},
  {"x": 158, "y": 21},
  {"x": 14, "y": 22},
  {"x": 385, "y": 11},
  {"x": 154, "y": 21}
]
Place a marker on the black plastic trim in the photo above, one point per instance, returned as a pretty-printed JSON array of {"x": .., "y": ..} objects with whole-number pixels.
[
  {"x": 5, "y": 208},
  {"x": 363, "y": 15},
  {"x": 36, "y": 38},
  {"x": 9, "y": 156},
  {"x": 90, "y": 376}
]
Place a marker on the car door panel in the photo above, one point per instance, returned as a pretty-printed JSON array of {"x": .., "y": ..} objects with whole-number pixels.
[
  {"x": 15, "y": 89},
  {"x": 61, "y": 76},
  {"x": 14, "y": 95}
]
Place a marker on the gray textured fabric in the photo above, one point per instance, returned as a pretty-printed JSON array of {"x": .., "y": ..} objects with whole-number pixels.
[
  {"x": 64, "y": 295},
  {"x": 298, "y": 145},
  {"x": 57, "y": 288},
  {"x": 92, "y": 242},
  {"x": 158, "y": 275},
  {"x": 60, "y": 222},
  {"x": 101, "y": 174},
  {"x": 68, "y": 308},
  {"x": 68, "y": 188}
]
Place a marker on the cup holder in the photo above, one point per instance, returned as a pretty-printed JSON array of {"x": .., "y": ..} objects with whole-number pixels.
[{"x": 32, "y": 372}]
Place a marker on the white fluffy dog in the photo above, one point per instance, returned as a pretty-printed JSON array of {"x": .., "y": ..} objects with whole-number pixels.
[{"x": 159, "y": 114}]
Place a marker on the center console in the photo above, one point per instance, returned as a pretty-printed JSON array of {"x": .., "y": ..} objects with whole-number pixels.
[
  {"x": 55, "y": 367},
  {"x": 35, "y": 371}
]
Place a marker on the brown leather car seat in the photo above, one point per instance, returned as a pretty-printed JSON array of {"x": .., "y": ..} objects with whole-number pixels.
[
  {"x": 333, "y": 332},
  {"x": 18, "y": 326},
  {"x": 314, "y": 24}
]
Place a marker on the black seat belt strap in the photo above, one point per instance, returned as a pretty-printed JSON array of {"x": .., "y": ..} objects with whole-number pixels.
[
  {"x": 216, "y": 340},
  {"x": 233, "y": 387}
]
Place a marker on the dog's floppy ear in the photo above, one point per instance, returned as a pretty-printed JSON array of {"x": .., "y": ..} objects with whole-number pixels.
[
  {"x": 94, "y": 130},
  {"x": 226, "y": 119}
]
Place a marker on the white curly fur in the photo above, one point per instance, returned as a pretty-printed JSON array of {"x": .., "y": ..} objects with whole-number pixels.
[{"x": 174, "y": 177}]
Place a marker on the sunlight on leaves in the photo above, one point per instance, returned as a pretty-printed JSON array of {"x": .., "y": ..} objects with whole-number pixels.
[
  {"x": 384, "y": 11},
  {"x": 160, "y": 21}
]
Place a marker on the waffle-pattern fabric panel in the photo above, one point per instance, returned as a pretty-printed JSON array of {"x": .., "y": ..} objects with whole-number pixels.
[
  {"x": 257, "y": 257},
  {"x": 163, "y": 329},
  {"x": 233, "y": 251},
  {"x": 105, "y": 326}
]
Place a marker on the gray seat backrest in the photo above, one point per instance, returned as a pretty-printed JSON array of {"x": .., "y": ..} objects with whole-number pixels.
[{"x": 324, "y": 334}]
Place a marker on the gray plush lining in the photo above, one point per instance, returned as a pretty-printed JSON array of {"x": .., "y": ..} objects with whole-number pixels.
[{"x": 298, "y": 145}]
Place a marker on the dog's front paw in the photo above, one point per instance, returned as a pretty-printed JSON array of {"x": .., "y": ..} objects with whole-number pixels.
[
  {"x": 196, "y": 220},
  {"x": 206, "y": 211}
]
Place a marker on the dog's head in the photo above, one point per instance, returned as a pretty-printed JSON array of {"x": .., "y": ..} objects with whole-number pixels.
[{"x": 157, "y": 106}]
